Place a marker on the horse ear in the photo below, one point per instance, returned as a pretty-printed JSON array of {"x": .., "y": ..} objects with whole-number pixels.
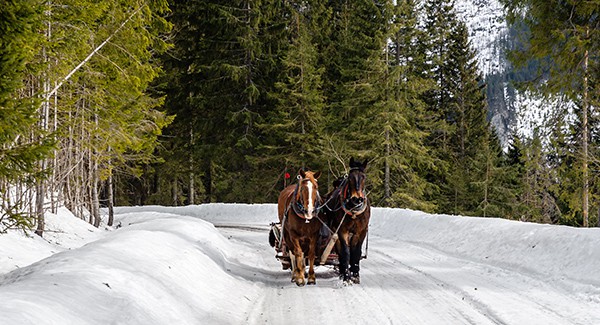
[
  {"x": 302, "y": 173},
  {"x": 351, "y": 161},
  {"x": 364, "y": 164},
  {"x": 317, "y": 175}
]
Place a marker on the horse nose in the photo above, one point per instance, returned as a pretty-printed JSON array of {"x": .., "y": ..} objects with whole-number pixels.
[{"x": 357, "y": 200}]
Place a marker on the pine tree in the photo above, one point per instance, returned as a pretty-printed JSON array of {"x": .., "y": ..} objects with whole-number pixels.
[
  {"x": 19, "y": 154},
  {"x": 471, "y": 132},
  {"x": 563, "y": 35},
  {"x": 293, "y": 127},
  {"x": 220, "y": 72}
]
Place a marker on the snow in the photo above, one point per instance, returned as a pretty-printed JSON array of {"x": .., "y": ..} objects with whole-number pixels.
[
  {"x": 212, "y": 264},
  {"x": 487, "y": 26}
]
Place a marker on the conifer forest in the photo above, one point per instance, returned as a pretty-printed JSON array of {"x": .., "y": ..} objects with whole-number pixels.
[{"x": 162, "y": 102}]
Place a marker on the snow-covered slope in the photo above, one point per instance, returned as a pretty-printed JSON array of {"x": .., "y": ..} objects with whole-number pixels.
[
  {"x": 510, "y": 110},
  {"x": 487, "y": 29},
  {"x": 169, "y": 265}
]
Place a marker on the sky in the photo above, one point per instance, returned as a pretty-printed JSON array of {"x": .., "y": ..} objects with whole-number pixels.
[{"x": 212, "y": 264}]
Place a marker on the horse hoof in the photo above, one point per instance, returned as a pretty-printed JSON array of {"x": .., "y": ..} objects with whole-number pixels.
[
  {"x": 355, "y": 279},
  {"x": 311, "y": 282},
  {"x": 300, "y": 283}
]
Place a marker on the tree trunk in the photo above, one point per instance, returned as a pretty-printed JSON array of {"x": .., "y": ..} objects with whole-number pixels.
[
  {"x": 192, "y": 193},
  {"x": 386, "y": 182},
  {"x": 110, "y": 203},
  {"x": 386, "y": 176},
  {"x": 174, "y": 193},
  {"x": 95, "y": 202},
  {"x": 488, "y": 176},
  {"x": 585, "y": 176},
  {"x": 94, "y": 179},
  {"x": 208, "y": 180},
  {"x": 39, "y": 208}
]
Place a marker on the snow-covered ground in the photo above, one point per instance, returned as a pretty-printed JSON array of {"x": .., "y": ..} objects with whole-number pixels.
[{"x": 212, "y": 264}]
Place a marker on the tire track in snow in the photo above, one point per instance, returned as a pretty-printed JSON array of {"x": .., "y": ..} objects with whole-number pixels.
[
  {"x": 402, "y": 283},
  {"x": 509, "y": 296},
  {"x": 456, "y": 292},
  {"x": 382, "y": 298}
]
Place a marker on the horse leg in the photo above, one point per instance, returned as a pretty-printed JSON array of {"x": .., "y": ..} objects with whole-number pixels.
[
  {"x": 298, "y": 274},
  {"x": 344, "y": 255},
  {"x": 355, "y": 256},
  {"x": 312, "y": 246},
  {"x": 293, "y": 265}
]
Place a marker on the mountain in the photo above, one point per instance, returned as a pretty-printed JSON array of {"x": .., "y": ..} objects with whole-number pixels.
[{"x": 491, "y": 36}]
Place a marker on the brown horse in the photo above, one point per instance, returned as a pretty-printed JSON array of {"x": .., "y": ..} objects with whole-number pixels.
[
  {"x": 348, "y": 211},
  {"x": 297, "y": 205}
]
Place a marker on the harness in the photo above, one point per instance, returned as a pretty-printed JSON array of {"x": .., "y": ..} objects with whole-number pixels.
[
  {"x": 298, "y": 207},
  {"x": 342, "y": 192}
]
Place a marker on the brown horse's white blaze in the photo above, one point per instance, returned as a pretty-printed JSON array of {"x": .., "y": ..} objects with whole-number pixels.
[
  {"x": 309, "y": 199},
  {"x": 297, "y": 205}
]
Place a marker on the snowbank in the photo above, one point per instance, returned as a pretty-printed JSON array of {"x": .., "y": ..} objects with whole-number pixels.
[
  {"x": 556, "y": 251},
  {"x": 216, "y": 213},
  {"x": 145, "y": 273},
  {"x": 63, "y": 231},
  {"x": 170, "y": 265}
]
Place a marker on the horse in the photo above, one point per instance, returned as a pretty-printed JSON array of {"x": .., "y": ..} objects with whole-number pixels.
[
  {"x": 297, "y": 205},
  {"x": 348, "y": 211}
]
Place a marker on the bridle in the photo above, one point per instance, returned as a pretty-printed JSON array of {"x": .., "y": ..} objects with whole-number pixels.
[
  {"x": 344, "y": 199},
  {"x": 343, "y": 193},
  {"x": 297, "y": 205}
]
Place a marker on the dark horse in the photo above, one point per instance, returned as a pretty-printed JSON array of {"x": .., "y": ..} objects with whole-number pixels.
[
  {"x": 348, "y": 209},
  {"x": 297, "y": 205}
]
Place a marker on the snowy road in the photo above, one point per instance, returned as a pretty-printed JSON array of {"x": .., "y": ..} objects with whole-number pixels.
[
  {"x": 212, "y": 264},
  {"x": 404, "y": 283}
]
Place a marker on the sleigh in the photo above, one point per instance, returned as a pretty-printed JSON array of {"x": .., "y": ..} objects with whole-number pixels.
[{"x": 324, "y": 256}]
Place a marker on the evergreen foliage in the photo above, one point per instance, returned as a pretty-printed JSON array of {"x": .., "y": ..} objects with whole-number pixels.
[
  {"x": 83, "y": 106},
  {"x": 563, "y": 36},
  {"x": 273, "y": 87},
  {"x": 291, "y": 131},
  {"x": 19, "y": 154},
  {"x": 183, "y": 102}
]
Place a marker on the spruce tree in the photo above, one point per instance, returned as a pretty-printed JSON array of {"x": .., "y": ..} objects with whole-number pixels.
[
  {"x": 400, "y": 110},
  {"x": 471, "y": 133},
  {"x": 294, "y": 125},
  {"x": 439, "y": 21},
  {"x": 564, "y": 36},
  {"x": 221, "y": 70},
  {"x": 19, "y": 153}
]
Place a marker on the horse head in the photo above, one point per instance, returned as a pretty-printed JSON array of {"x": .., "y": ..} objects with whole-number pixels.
[
  {"x": 354, "y": 192},
  {"x": 307, "y": 194}
]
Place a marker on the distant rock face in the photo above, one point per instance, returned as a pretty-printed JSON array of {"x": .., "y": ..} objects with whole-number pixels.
[
  {"x": 487, "y": 31},
  {"x": 508, "y": 109}
]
